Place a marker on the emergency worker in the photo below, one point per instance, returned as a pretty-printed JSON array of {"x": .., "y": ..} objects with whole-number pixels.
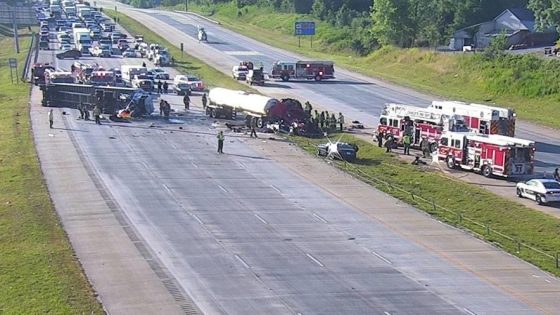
[
  {"x": 407, "y": 140},
  {"x": 161, "y": 105},
  {"x": 389, "y": 143},
  {"x": 308, "y": 108},
  {"x": 81, "y": 109},
  {"x": 341, "y": 121},
  {"x": 221, "y": 139},
  {"x": 159, "y": 87},
  {"x": 97, "y": 114},
  {"x": 204, "y": 101},
  {"x": 332, "y": 124},
  {"x": 51, "y": 118},
  {"x": 165, "y": 87},
  {"x": 425, "y": 147},
  {"x": 322, "y": 120},
  {"x": 379, "y": 138},
  {"x": 186, "y": 101}
]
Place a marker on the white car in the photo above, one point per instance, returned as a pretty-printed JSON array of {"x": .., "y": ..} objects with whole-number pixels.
[
  {"x": 193, "y": 82},
  {"x": 239, "y": 72},
  {"x": 66, "y": 47},
  {"x": 159, "y": 73},
  {"x": 541, "y": 190}
]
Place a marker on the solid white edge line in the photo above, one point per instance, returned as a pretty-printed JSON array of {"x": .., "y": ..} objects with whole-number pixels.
[
  {"x": 469, "y": 311},
  {"x": 197, "y": 218},
  {"x": 320, "y": 218},
  {"x": 382, "y": 258},
  {"x": 242, "y": 261},
  {"x": 315, "y": 260},
  {"x": 261, "y": 219},
  {"x": 222, "y": 188}
]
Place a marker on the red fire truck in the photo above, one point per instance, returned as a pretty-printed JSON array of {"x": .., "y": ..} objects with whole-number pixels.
[
  {"x": 484, "y": 119},
  {"x": 487, "y": 154},
  {"x": 419, "y": 122},
  {"x": 303, "y": 70}
]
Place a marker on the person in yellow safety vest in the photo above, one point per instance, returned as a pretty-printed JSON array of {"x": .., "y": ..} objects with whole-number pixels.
[
  {"x": 97, "y": 115},
  {"x": 221, "y": 138},
  {"x": 341, "y": 120},
  {"x": 407, "y": 140}
]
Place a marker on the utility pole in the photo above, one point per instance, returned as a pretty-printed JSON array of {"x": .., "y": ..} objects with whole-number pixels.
[
  {"x": 16, "y": 39},
  {"x": 186, "y": 5}
]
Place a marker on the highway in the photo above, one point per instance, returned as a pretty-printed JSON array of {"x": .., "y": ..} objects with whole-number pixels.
[
  {"x": 243, "y": 233},
  {"x": 358, "y": 97}
]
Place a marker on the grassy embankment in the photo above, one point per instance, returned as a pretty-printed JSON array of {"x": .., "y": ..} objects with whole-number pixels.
[
  {"x": 470, "y": 205},
  {"x": 38, "y": 271},
  {"x": 184, "y": 64},
  {"x": 527, "y": 83}
]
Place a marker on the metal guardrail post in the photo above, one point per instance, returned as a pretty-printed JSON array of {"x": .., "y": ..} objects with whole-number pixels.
[
  {"x": 557, "y": 260},
  {"x": 487, "y": 229},
  {"x": 518, "y": 246},
  {"x": 434, "y": 205}
]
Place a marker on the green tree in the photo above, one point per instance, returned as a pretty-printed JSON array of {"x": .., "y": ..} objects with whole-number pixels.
[
  {"x": 547, "y": 13},
  {"x": 391, "y": 22}
]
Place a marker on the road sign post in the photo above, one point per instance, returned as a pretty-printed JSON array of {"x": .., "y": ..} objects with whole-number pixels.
[
  {"x": 304, "y": 28},
  {"x": 181, "y": 50},
  {"x": 12, "y": 62}
]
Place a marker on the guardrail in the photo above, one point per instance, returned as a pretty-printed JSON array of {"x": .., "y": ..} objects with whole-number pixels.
[
  {"x": 27, "y": 64},
  {"x": 455, "y": 218}
]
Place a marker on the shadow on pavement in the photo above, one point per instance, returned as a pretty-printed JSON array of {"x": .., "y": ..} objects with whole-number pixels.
[{"x": 547, "y": 147}]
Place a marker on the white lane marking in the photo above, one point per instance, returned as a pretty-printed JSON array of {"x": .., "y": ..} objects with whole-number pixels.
[
  {"x": 242, "y": 165},
  {"x": 382, "y": 258},
  {"x": 167, "y": 188},
  {"x": 315, "y": 260},
  {"x": 548, "y": 281},
  {"x": 197, "y": 219},
  {"x": 193, "y": 164},
  {"x": 261, "y": 219},
  {"x": 320, "y": 218},
  {"x": 469, "y": 311},
  {"x": 222, "y": 188},
  {"x": 275, "y": 188},
  {"x": 243, "y": 53},
  {"x": 386, "y": 313},
  {"x": 242, "y": 261}
]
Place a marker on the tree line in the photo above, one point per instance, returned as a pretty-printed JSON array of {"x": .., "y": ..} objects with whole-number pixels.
[{"x": 364, "y": 25}]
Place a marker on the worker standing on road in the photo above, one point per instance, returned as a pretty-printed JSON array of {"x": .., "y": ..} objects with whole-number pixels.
[
  {"x": 253, "y": 126},
  {"x": 221, "y": 138},
  {"x": 165, "y": 87},
  {"x": 166, "y": 109},
  {"x": 341, "y": 121},
  {"x": 86, "y": 112},
  {"x": 322, "y": 120},
  {"x": 204, "y": 101},
  {"x": 159, "y": 89},
  {"x": 161, "y": 105},
  {"x": 557, "y": 175},
  {"x": 81, "y": 109},
  {"x": 51, "y": 118},
  {"x": 97, "y": 115},
  {"x": 144, "y": 64},
  {"x": 186, "y": 101},
  {"x": 407, "y": 139}
]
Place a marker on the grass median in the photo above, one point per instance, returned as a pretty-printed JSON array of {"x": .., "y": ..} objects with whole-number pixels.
[
  {"x": 507, "y": 224},
  {"x": 38, "y": 271},
  {"x": 184, "y": 62},
  {"x": 526, "y": 83}
]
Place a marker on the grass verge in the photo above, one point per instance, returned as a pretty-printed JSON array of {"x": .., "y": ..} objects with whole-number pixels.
[
  {"x": 509, "y": 223},
  {"x": 185, "y": 63},
  {"x": 38, "y": 271},
  {"x": 517, "y": 229},
  {"x": 526, "y": 83}
]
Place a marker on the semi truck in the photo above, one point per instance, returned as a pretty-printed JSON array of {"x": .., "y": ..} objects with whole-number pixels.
[
  {"x": 227, "y": 103},
  {"x": 82, "y": 39}
]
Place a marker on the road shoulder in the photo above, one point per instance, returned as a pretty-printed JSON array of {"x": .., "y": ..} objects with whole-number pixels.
[{"x": 122, "y": 277}]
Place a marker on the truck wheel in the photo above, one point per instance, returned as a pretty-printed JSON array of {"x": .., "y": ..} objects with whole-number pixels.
[
  {"x": 233, "y": 115},
  {"x": 486, "y": 171},
  {"x": 285, "y": 78},
  {"x": 450, "y": 162},
  {"x": 318, "y": 78},
  {"x": 260, "y": 122}
]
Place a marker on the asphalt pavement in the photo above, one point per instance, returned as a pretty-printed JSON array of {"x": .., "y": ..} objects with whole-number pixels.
[{"x": 257, "y": 232}]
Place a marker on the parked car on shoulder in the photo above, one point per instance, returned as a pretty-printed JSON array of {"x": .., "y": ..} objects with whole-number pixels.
[
  {"x": 541, "y": 190},
  {"x": 72, "y": 53}
]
